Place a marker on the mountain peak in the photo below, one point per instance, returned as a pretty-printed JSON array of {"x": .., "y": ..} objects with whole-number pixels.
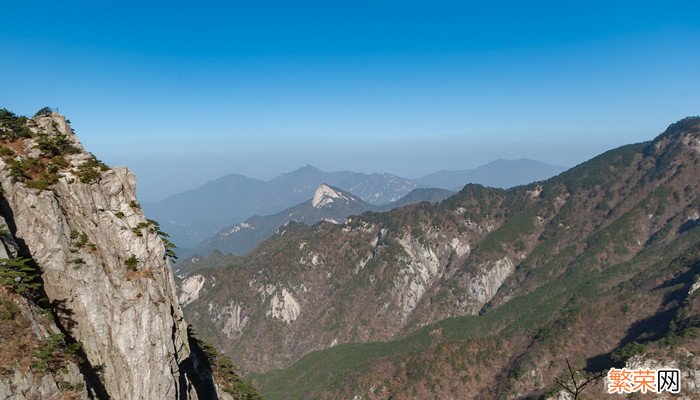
[
  {"x": 684, "y": 133},
  {"x": 302, "y": 172},
  {"x": 308, "y": 168},
  {"x": 681, "y": 128},
  {"x": 324, "y": 195}
]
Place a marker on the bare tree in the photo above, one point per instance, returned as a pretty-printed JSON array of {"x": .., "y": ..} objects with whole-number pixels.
[{"x": 574, "y": 387}]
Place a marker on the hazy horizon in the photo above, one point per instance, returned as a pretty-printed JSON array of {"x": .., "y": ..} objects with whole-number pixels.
[
  {"x": 155, "y": 184},
  {"x": 196, "y": 181},
  {"x": 186, "y": 93}
]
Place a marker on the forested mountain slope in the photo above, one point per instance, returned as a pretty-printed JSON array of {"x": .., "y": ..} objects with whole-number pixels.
[{"x": 475, "y": 291}]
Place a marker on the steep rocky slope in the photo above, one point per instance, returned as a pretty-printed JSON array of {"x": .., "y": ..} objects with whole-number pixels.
[
  {"x": 35, "y": 359},
  {"x": 104, "y": 274},
  {"x": 472, "y": 292}
]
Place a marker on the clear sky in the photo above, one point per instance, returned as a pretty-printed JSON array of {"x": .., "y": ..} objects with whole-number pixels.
[{"x": 184, "y": 92}]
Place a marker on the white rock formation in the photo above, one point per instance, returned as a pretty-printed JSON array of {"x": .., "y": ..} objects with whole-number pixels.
[
  {"x": 284, "y": 306},
  {"x": 325, "y": 195},
  {"x": 420, "y": 269},
  {"x": 234, "y": 319},
  {"x": 460, "y": 248},
  {"x": 485, "y": 285},
  {"x": 190, "y": 288}
]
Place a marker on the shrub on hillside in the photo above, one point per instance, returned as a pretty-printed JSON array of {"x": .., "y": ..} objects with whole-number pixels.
[
  {"x": 91, "y": 170},
  {"x": 44, "y": 111},
  {"x": 13, "y": 126},
  {"x": 19, "y": 276}
]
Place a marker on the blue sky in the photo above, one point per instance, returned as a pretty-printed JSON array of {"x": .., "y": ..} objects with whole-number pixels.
[{"x": 184, "y": 92}]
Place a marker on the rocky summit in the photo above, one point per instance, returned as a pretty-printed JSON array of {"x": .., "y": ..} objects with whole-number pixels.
[{"x": 88, "y": 305}]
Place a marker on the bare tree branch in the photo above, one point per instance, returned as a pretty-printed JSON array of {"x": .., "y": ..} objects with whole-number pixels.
[{"x": 577, "y": 388}]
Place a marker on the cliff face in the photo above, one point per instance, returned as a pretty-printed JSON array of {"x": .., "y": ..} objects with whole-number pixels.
[
  {"x": 17, "y": 380},
  {"x": 22, "y": 331},
  {"x": 102, "y": 263}
]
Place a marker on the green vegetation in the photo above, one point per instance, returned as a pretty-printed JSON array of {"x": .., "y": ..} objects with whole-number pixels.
[
  {"x": 12, "y": 126},
  {"x": 131, "y": 263},
  {"x": 525, "y": 314},
  {"x": 34, "y": 172},
  {"x": 225, "y": 372},
  {"x": 624, "y": 353},
  {"x": 44, "y": 181},
  {"x": 90, "y": 171},
  {"x": 138, "y": 228},
  {"x": 22, "y": 170},
  {"x": 154, "y": 228},
  {"x": 686, "y": 322},
  {"x": 521, "y": 224},
  {"x": 79, "y": 239},
  {"x": 41, "y": 172},
  {"x": 19, "y": 276},
  {"x": 44, "y": 111},
  {"x": 598, "y": 170},
  {"x": 8, "y": 310},
  {"x": 7, "y": 153},
  {"x": 53, "y": 354},
  {"x": 78, "y": 262},
  {"x": 67, "y": 386},
  {"x": 664, "y": 160},
  {"x": 604, "y": 257},
  {"x": 169, "y": 246},
  {"x": 56, "y": 144}
]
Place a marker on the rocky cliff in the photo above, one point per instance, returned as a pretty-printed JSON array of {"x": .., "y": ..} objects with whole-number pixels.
[
  {"x": 103, "y": 266},
  {"x": 26, "y": 330}
]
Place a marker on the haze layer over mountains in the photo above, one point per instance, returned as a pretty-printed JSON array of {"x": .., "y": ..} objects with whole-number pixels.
[{"x": 198, "y": 214}]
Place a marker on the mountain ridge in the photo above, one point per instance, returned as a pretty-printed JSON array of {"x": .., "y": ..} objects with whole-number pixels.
[
  {"x": 243, "y": 237},
  {"x": 328, "y": 204},
  {"x": 197, "y": 214},
  {"x": 501, "y": 173},
  {"x": 479, "y": 260}
]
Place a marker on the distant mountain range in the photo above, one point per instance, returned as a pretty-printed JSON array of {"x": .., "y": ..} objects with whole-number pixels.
[
  {"x": 499, "y": 174},
  {"x": 328, "y": 203},
  {"x": 197, "y": 214}
]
